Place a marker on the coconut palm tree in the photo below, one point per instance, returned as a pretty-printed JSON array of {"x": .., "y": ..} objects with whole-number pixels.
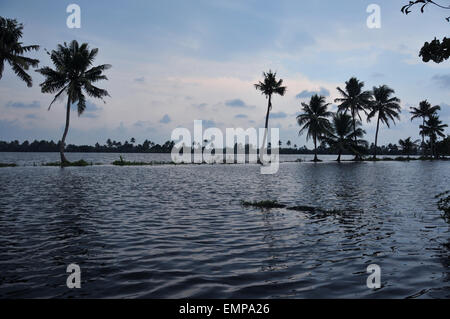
[
  {"x": 11, "y": 50},
  {"x": 424, "y": 111},
  {"x": 341, "y": 136},
  {"x": 354, "y": 100},
  {"x": 269, "y": 87},
  {"x": 73, "y": 75},
  {"x": 408, "y": 146},
  {"x": 433, "y": 128},
  {"x": 385, "y": 107},
  {"x": 314, "y": 120}
]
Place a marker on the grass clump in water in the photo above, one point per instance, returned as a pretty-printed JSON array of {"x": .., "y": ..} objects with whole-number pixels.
[
  {"x": 444, "y": 204},
  {"x": 80, "y": 163},
  {"x": 8, "y": 165},
  {"x": 122, "y": 162},
  {"x": 263, "y": 204},
  {"x": 303, "y": 209},
  {"x": 316, "y": 210}
]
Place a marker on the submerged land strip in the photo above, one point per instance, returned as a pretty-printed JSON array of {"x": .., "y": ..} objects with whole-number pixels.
[
  {"x": 443, "y": 205},
  {"x": 122, "y": 162}
]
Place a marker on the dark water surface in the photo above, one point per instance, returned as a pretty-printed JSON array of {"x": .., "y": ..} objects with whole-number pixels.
[{"x": 172, "y": 232}]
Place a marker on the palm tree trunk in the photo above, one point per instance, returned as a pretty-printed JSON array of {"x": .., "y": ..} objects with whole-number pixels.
[
  {"x": 315, "y": 149},
  {"x": 339, "y": 156},
  {"x": 433, "y": 153},
  {"x": 63, "y": 140},
  {"x": 266, "y": 128},
  {"x": 376, "y": 138},
  {"x": 423, "y": 138},
  {"x": 354, "y": 132}
]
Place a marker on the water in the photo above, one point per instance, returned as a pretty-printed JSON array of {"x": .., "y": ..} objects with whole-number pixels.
[{"x": 180, "y": 231}]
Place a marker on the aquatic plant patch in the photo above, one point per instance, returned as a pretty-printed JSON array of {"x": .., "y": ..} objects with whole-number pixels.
[
  {"x": 263, "y": 204},
  {"x": 8, "y": 165},
  {"x": 80, "y": 163},
  {"x": 444, "y": 203}
]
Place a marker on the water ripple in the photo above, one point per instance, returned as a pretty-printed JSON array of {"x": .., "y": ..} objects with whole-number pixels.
[{"x": 177, "y": 232}]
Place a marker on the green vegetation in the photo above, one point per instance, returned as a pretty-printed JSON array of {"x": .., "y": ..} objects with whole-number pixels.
[
  {"x": 354, "y": 100},
  {"x": 341, "y": 137},
  {"x": 269, "y": 87},
  {"x": 271, "y": 204},
  {"x": 263, "y": 204},
  {"x": 80, "y": 163},
  {"x": 316, "y": 210},
  {"x": 444, "y": 204},
  {"x": 433, "y": 128},
  {"x": 73, "y": 76},
  {"x": 408, "y": 146},
  {"x": 434, "y": 50},
  {"x": 7, "y": 165},
  {"x": 303, "y": 209},
  {"x": 385, "y": 107},
  {"x": 344, "y": 134},
  {"x": 12, "y": 50},
  {"x": 424, "y": 111},
  {"x": 122, "y": 162},
  {"x": 127, "y": 163},
  {"x": 314, "y": 120}
]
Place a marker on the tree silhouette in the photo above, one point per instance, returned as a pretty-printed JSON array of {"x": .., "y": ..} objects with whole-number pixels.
[
  {"x": 341, "y": 136},
  {"x": 406, "y": 9},
  {"x": 408, "y": 146},
  {"x": 434, "y": 50},
  {"x": 433, "y": 128},
  {"x": 386, "y": 107},
  {"x": 424, "y": 111},
  {"x": 314, "y": 120},
  {"x": 268, "y": 87},
  {"x": 11, "y": 50},
  {"x": 72, "y": 76},
  {"x": 354, "y": 100}
]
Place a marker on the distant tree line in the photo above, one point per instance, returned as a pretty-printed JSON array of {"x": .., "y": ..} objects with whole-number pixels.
[
  {"x": 109, "y": 147},
  {"x": 404, "y": 148}
]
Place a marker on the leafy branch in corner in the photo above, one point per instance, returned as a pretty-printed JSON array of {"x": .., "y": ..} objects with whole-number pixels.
[
  {"x": 435, "y": 50},
  {"x": 406, "y": 9},
  {"x": 444, "y": 204}
]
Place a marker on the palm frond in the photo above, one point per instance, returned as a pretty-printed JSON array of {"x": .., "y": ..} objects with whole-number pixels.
[{"x": 24, "y": 76}]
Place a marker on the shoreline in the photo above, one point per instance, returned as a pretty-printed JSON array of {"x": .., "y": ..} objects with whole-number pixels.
[{"x": 123, "y": 163}]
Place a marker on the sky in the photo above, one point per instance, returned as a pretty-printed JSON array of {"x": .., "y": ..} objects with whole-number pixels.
[{"x": 174, "y": 62}]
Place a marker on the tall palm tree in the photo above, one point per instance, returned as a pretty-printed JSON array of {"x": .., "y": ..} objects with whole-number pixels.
[
  {"x": 341, "y": 136},
  {"x": 354, "y": 100},
  {"x": 433, "y": 128},
  {"x": 73, "y": 75},
  {"x": 408, "y": 146},
  {"x": 269, "y": 87},
  {"x": 424, "y": 111},
  {"x": 11, "y": 50},
  {"x": 387, "y": 107},
  {"x": 314, "y": 120}
]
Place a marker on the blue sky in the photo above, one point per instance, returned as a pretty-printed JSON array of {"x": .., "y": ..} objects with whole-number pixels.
[{"x": 178, "y": 61}]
